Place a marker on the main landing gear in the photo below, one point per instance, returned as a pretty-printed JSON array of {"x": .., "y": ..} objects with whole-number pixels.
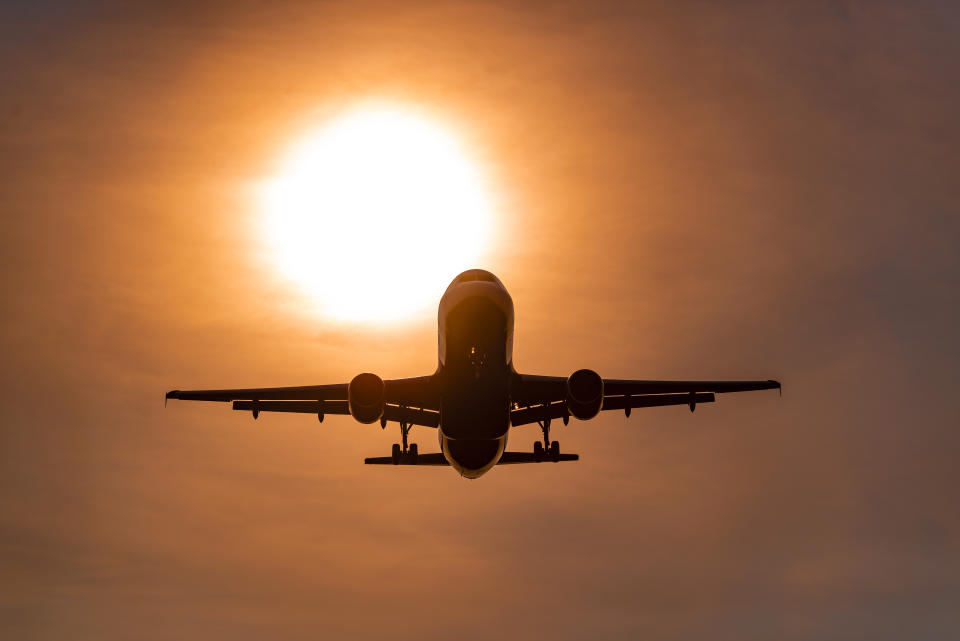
[
  {"x": 546, "y": 451},
  {"x": 408, "y": 454}
]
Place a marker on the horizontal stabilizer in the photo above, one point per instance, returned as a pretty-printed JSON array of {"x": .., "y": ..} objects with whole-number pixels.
[
  {"x": 508, "y": 458},
  {"x": 421, "y": 459}
]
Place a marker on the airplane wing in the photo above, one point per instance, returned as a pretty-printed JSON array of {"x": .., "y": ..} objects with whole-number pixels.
[
  {"x": 413, "y": 400},
  {"x": 306, "y": 392},
  {"x": 540, "y": 398}
]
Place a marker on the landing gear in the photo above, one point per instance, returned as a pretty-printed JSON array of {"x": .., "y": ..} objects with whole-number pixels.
[
  {"x": 545, "y": 449},
  {"x": 408, "y": 453}
]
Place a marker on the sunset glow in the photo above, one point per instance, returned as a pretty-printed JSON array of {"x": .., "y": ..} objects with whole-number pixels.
[
  {"x": 244, "y": 196},
  {"x": 372, "y": 214}
]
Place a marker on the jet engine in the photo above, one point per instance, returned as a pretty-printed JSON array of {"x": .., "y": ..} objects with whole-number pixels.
[
  {"x": 584, "y": 394},
  {"x": 365, "y": 397}
]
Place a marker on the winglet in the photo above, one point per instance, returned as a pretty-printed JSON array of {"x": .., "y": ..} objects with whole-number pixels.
[{"x": 171, "y": 394}]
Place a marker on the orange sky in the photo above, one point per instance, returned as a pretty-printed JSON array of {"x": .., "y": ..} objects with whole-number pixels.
[{"x": 688, "y": 192}]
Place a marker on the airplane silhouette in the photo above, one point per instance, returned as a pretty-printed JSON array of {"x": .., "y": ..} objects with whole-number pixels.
[{"x": 475, "y": 395}]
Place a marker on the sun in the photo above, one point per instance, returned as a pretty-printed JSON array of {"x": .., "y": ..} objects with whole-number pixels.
[{"x": 374, "y": 212}]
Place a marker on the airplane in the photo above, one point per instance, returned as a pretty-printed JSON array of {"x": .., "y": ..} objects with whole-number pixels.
[{"x": 475, "y": 395}]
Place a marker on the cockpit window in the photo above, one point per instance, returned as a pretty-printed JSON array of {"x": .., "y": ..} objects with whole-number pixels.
[{"x": 476, "y": 274}]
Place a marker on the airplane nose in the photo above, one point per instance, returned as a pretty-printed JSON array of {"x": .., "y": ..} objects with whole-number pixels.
[
  {"x": 473, "y": 457},
  {"x": 474, "y": 454}
]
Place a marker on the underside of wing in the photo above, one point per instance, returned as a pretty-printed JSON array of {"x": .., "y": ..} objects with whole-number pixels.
[
  {"x": 537, "y": 399},
  {"x": 396, "y": 413},
  {"x": 408, "y": 400},
  {"x": 307, "y": 392},
  {"x": 420, "y": 391},
  {"x": 620, "y": 387}
]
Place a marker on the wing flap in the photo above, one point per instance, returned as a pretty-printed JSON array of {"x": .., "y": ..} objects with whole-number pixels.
[
  {"x": 655, "y": 400},
  {"x": 395, "y": 413},
  {"x": 300, "y": 407}
]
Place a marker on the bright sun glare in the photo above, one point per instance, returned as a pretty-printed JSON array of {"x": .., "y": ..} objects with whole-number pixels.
[{"x": 372, "y": 214}]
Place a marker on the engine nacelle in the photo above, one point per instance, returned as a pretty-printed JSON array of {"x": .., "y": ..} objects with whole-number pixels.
[
  {"x": 584, "y": 394},
  {"x": 365, "y": 397}
]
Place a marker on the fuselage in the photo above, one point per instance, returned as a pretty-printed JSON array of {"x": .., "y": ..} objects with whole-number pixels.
[{"x": 476, "y": 365}]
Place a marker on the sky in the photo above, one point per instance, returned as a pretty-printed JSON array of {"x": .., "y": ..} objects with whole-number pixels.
[{"x": 687, "y": 190}]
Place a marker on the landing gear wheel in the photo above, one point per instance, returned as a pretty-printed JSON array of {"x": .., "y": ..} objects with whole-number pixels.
[
  {"x": 395, "y": 454},
  {"x": 538, "y": 451},
  {"x": 412, "y": 453},
  {"x": 555, "y": 451}
]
